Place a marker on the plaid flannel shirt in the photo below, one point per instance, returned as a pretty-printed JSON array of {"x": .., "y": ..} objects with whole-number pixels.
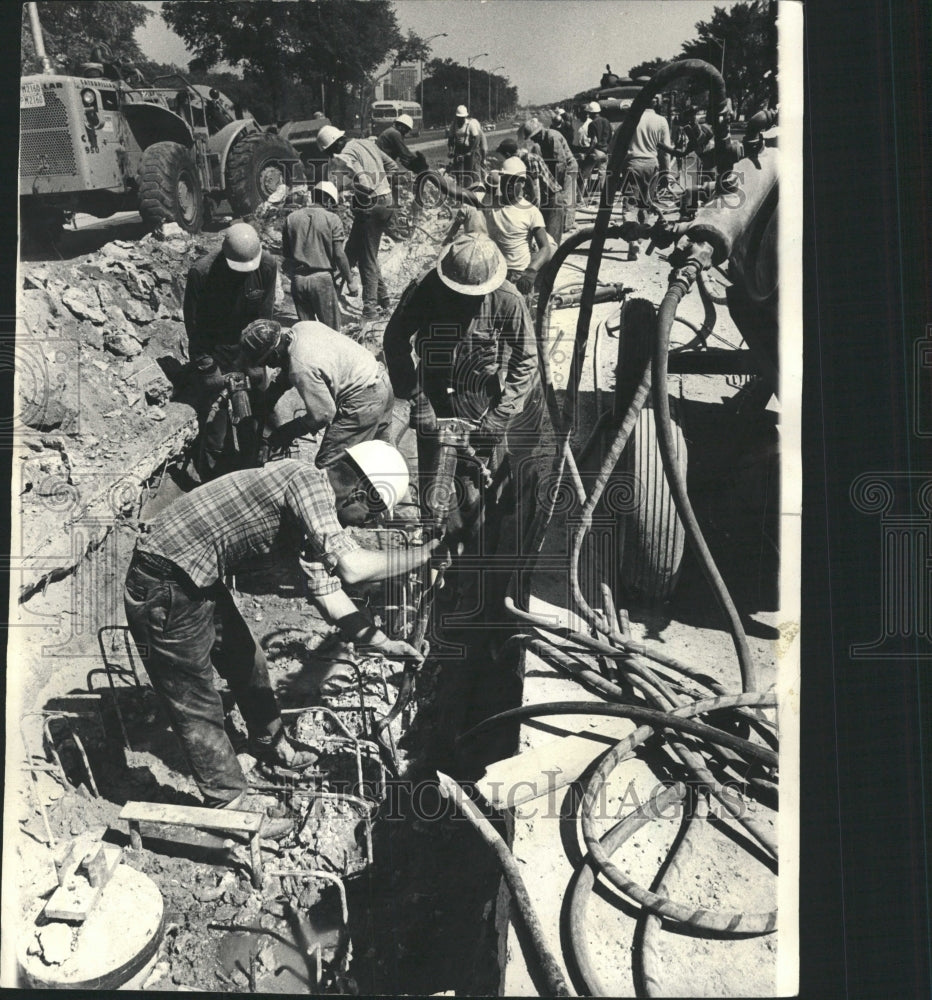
[{"x": 285, "y": 506}]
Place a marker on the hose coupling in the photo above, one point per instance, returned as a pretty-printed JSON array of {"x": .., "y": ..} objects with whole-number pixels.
[{"x": 690, "y": 259}]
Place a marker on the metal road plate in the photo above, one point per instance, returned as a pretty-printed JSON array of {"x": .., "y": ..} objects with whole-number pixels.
[{"x": 31, "y": 96}]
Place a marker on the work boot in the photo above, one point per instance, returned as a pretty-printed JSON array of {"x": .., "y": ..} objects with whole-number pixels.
[
  {"x": 281, "y": 752},
  {"x": 272, "y": 828},
  {"x": 370, "y": 311}
]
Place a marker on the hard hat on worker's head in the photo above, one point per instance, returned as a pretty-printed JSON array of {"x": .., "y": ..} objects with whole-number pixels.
[
  {"x": 472, "y": 265},
  {"x": 328, "y": 188},
  {"x": 241, "y": 247},
  {"x": 531, "y": 127},
  {"x": 384, "y": 470},
  {"x": 508, "y": 147},
  {"x": 514, "y": 166},
  {"x": 327, "y": 136},
  {"x": 593, "y": 107},
  {"x": 461, "y": 112},
  {"x": 405, "y": 120},
  {"x": 559, "y": 111},
  {"x": 259, "y": 339}
]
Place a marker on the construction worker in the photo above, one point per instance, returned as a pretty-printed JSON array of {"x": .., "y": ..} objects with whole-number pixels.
[
  {"x": 392, "y": 141},
  {"x": 594, "y": 152},
  {"x": 467, "y": 147},
  {"x": 647, "y": 156},
  {"x": 225, "y": 291},
  {"x": 185, "y": 623},
  {"x": 558, "y": 208},
  {"x": 341, "y": 388},
  {"x": 514, "y": 225},
  {"x": 359, "y": 165},
  {"x": 539, "y": 182},
  {"x": 563, "y": 123},
  {"x": 312, "y": 252}
]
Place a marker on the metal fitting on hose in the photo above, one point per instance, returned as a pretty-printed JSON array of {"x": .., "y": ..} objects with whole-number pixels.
[{"x": 689, "y": 260}]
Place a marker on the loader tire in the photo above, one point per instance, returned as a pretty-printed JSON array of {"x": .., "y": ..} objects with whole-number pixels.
[
  {"x": 257, "y": 164},
  {"x": 652, "y": 537},
  {"x": 169, "y": 187}
]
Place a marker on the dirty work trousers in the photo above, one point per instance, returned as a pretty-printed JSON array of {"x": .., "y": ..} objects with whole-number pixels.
[
  {"x": 362, "y": 248},
  {"x": 182, "y": 631},
  {"x": 594, "y": 161},
  {"x": 365, "y": 415},
  {"x": 315, "y": 297},
  {"x": 639, "y": 186},
  {"x": 568, "y": 179}
]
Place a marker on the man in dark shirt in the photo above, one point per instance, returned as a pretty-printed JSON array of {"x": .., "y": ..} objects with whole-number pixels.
[
  {"x": 392, "y": 141},
  {"x": 477, "y": 360},
  {"x": 312, "y": 251},
  {"x": 185, "y": 622},
  {"x": 225, "y": 291}
]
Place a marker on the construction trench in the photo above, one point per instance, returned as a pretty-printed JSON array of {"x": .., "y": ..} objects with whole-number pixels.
[{"x": 624, "y": 749}]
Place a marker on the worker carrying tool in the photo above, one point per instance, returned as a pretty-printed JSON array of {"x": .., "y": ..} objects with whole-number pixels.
[
  {"x": 392, "y": 141},
  {"x": 477, "y": 361},
  {"x": 313, "y": 254},
  {"x": 515, "y": 226},
  {"x": 341, "y": 388},
  {"x": 467, "y": 147},
  {"x": 185, "y": 622},
  {"x": 359, "y": 165},
  {"x": 225, "y": 291}
]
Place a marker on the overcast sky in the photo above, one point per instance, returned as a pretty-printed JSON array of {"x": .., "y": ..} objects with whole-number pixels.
[{"x": 549, "y": 48}]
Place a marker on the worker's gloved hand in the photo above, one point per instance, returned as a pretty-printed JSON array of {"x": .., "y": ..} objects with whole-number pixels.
[
  {"x": 493, "y": 426},
  {"x": 393, "y": 649},
  {"x": 209, "y": 373},
  {"x": 281, "y": 752},
  {"x": 353, "y": 287},
  {"x": 525, "y": 284},
  {"x": 423, "y": 418}
]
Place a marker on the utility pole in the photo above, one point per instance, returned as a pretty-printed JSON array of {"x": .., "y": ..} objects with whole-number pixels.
[
  {"x": 469, "y": 63},
  {"x": 420, "y": 73},
  {"x": 497, "y": 68}
]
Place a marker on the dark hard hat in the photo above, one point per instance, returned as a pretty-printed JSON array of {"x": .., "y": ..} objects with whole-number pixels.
[{"x": 259, "y": 339}]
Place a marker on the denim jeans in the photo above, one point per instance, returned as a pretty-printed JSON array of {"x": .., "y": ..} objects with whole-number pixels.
[
  {"x": 182, "y": 632},
  {"x": 315, "y": 297}
]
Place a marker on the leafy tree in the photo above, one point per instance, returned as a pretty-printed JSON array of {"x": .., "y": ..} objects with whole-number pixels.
[
  {"x": 72, "y": 29},
  {"x": 446, "y": 84},
  {"x": 748, "y": 33},
  {"x": 337, "y": 44},
  {"x": 647, "y": 68}
]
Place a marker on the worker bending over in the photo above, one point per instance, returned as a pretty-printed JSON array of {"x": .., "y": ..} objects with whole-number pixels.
[
  {"x": 225, "y": 291},
  {"x": 185, "y": 622},
  {"x": 359, "y": 165},
  {"x": 342, "y": 389},
  {"x": 312, "y": 254}
]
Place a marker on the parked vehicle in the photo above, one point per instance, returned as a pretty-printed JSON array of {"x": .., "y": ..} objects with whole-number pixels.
[{"x": 383, "y": 113}]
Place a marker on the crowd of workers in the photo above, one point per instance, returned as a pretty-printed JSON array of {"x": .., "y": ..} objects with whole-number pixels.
[{"x": 459, "y": 343}]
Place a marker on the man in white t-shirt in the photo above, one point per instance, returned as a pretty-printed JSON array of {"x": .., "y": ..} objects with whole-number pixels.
[
  {"x": 647, "y": 156},
  {"x": 514, "y": 225}
]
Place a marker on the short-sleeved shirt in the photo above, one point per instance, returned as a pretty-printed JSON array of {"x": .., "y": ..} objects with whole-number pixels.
[
  {"x": 364, "y": 166},
  {"x": 327, "y": 368},
  {"x": 600, "y": 133},
  {"x": 652, "y": 130},
  {"x": 510, "y": 228},
  {"x": 311, "y": 236},
  {"x": 219, "y": 302},
  {"x": 286, "y": 506}
]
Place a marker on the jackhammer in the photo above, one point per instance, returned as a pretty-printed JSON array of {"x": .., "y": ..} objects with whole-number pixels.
[{"x": 440, "y": 499}]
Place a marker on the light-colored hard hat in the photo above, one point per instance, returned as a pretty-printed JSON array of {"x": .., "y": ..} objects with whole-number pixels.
[
  {"x": 472, "y": 265},
  {"x": 329, "y": 188},
  {"x": 328, "y": 135},
  {"x": 532, "y": 126},
  {"x": 384, "y": 469},
  {"x": 461, "y": 112},
  {"x": 593, "y": 106},
  {"x": 405, "y": 120},
  {"x": 514, "y": 166},
  {"x": 241, "y": 247},
  {"x": 559, "y": 111}
]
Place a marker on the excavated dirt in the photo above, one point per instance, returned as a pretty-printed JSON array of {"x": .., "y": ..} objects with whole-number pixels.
[{"x": 105, "y": 411}]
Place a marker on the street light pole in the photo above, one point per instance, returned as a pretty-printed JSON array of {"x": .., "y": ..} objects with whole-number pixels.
[
  {"x": 720, "y": 42},
  {"x": 420, "y": 71},
  {"x": 491, "y": 71},
  {"x": 469, "y": 63}
]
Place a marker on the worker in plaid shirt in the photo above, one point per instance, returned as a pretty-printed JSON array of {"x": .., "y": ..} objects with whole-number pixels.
[{"x": 184, "y": 621}]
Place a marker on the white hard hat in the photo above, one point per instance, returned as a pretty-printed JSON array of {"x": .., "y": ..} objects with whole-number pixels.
[
  {"x": 472, "y": 265},
  {"x": 384, "y": 468},
  {"x": 514, "y": 166},
  {"x": 405, "y": 120},
  {"x": 328, "y": 135},
  {"x": 559, "y": 111},
  {"x": 328, "y": 187},
  {"x": 591, "y": 106},
  {"x": 461, "y": 112},
  {"x": 241, "y": 247}
]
